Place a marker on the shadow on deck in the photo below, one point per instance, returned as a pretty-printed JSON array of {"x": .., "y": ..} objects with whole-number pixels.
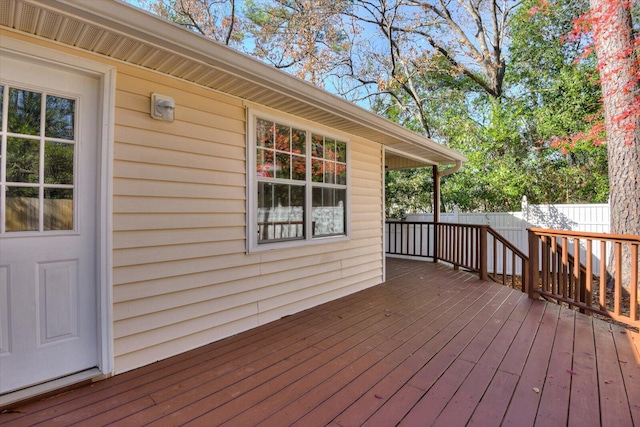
[{"x": 431, "y": 346}]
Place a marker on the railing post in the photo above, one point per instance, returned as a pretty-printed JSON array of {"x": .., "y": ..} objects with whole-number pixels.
[
  {"x": 533, "y": 278},
  {"x": 484, "y": 270},
  {"x": 436, "y": 213}
]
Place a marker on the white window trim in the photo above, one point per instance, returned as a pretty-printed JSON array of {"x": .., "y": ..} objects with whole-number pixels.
[{"x": 252, "y": 185}]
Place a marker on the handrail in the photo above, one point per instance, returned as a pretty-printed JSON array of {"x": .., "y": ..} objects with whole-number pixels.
[
  {"x": 562, "y": 269},
  {"x": 516, "y": 254},
  {"x": 411, "y": 238},
  {"x": 560, "y": 265},
  {"x": 586, "y": 234},
  {"x": 461, "y": 245}
]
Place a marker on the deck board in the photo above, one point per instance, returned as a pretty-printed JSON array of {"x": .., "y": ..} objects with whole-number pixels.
[
  {"x": 613, "y": 395},
  {"x": 486, "y": 358},
  {"x": 531, "y": 382},
  {"x": 585, "y": 408},
  {"x": 495, "y": 401},
  {"x": 628, "y": 365},
  {"x": 431, "y": 346},
  {"x": 554, "y": 400},
  {"x": 340, "y": 402}
]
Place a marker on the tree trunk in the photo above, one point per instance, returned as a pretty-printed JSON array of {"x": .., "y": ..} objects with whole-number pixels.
[{"x": 612, "y": 25}]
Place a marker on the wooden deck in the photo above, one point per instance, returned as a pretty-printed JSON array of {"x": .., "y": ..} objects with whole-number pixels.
[{"x": 431, "y": 346}]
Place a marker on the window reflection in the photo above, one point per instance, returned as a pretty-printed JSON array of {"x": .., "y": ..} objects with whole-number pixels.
[
  {"x": 264, "y": 133},
  {"x": 298, "y": 139},
  {"x": 280, "y": 212},
  {"x": 58, "y": 163},
  {"x": 301, "y": 189},
  {"x": 341, "y": 151},
  {"x": 40, "y": 148},
  {"x": 329, "y": 160},
  {"x": 23, "y": 160},
  {"x": 329, "y": 211},
  {"x": 280, "y": 151},
  {"x": 58, "y": 209},
  {"x": 60, "y": 118},
  {"x": 283, "y": 168},
  {"x": 24, "y": 112},
  {"x": 22, "y": 209},
  {"x": 317, "y": 146},
  {"x": 317, "y": 167},
  {"x": 299, "y": 168},
  {"x": 283, "y": 138},
  {"x": 264, "y": 163}
]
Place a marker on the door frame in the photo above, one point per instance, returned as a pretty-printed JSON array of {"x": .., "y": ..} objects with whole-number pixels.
[{"x": 106, "y": 75}]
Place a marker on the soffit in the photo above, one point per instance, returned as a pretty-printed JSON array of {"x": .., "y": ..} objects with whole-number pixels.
[{"x": 121, "y": 32}]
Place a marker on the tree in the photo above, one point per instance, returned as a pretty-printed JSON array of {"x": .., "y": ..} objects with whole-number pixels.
[
  {"x": 367, "y": 49},
  {"x": 442, "y": 68},
  {"x": 616, "y": 48},
  {"x": 408, "y": 191},
  {"x": 513, "y": 141},
  {"x": 217, "y": 19},
  {"x": 305, "y": 37},
  {"x": 514, "y": 145},
  {"x": 557, "y": 89}
]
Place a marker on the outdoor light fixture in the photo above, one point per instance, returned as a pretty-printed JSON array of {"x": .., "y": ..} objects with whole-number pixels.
[{"x": 162, "y": 107}]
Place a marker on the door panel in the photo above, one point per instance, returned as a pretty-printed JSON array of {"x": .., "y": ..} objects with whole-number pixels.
[
  {"x": 48, "y": 187},
  {"x": 57, "y": 308}
]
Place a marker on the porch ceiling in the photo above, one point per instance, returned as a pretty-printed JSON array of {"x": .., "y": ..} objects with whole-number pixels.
[
  {"x": 395, "y": 161},
  {"x": 122, "y": 32}
]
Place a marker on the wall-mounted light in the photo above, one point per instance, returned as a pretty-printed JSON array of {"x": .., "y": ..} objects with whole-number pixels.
[{"x": 162, "y": 107}]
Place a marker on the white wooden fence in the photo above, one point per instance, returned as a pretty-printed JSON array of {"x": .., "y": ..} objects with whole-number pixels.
[{"x": 513, "y": 225}]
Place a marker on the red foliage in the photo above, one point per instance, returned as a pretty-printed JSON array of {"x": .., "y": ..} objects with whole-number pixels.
[
  {"x": 601, "y": 22},
  {"x": 591, "y": 26},
  {"x": 542, "y": 7},
  {"x": 281, "y": 154},
  {"x": 595, "y": 135}
]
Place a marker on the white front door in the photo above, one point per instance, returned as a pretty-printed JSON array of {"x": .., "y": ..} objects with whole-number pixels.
[{"x": 48, "y": 255}]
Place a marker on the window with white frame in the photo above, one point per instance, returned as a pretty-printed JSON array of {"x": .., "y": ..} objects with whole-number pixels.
[{"x": 298, "y": 183}]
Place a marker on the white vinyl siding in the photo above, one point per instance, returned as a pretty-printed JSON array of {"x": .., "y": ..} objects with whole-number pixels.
[
  {"x": 174, "y": 269},
  {"x": 181, "y": 274}
]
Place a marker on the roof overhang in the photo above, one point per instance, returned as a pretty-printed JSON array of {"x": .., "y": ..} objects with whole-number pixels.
[{"x": 121, "y": 32}]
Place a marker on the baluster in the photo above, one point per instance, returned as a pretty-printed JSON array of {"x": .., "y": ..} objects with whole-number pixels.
[
  {"x": 546, "y": 253},
  {"x": 589, "y": 273},
  {"x": 565, "y": 266},
  {"x": 578, "y": 286},
  {"x": 617, "y": 292},
  {"x": 603, "y": 275}
]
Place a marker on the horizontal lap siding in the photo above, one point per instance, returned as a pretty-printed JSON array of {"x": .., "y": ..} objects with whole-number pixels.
[
  {"x": 179, "y": 221},
  {"x": 320, "y": 273},
  {"x": 181, "y": 275}
]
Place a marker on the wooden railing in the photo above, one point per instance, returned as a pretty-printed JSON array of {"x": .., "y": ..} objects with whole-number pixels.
[
  {"x": 411, "y": 238},
  {"x": 519, "y": 262},
  {"x": 561, "y": 270},
  {"x": 462, "y": 245}
]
